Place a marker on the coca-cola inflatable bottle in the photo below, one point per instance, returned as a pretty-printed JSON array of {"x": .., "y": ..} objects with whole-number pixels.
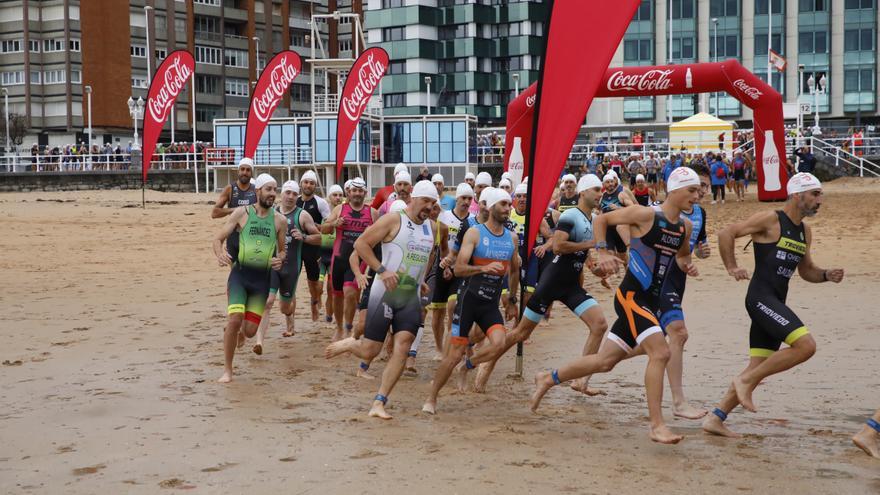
[
  {"x": 516, "y": 162},
  {"x": 770, "y": 162}
]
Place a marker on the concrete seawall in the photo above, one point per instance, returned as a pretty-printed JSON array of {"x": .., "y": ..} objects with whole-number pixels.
[{"x": 159, "y": 180}]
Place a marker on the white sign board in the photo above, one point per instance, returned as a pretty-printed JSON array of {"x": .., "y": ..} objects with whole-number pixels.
[
  {"x": 789, "y": 111},
  {"x": 806, "y": 107}
]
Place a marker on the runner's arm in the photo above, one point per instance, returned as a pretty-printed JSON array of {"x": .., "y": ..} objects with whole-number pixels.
[
  {"x": 220, "y": 210},
  {"x": 515, "y": 262},
  {"x": 228, "y": 228},
  {"x": 280, "y": 237},
  {"x": 444, "y": 240},
  {"x": 561, "y": 244},
  {"x": 330, "y": 222},
  {"x": 808, "y": 269},
  {"x": 313, "y": 235},
  {"x": 371, "y": 237},
  {"x": 757, "y": 224},
  {"x": 683, "y": 256},
  {"x": 463, "y": 268}
]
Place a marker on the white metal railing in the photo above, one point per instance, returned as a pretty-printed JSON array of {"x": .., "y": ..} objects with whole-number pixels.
[
  {"x": 326, "y": 103},
  {"x": 842, "y": 156},
  {"x": 93, "y": 162}
]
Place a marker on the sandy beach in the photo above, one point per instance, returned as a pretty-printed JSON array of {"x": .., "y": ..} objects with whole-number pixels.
[{"x": 112, "y": 318}]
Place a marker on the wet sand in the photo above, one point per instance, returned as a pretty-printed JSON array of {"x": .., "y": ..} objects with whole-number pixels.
[{"x": 112, "y": 322}]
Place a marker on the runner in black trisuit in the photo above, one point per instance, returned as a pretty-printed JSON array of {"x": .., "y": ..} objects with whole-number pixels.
[
  {"x": 319, "y": 210},
  {"x": 782, "y": 246}
]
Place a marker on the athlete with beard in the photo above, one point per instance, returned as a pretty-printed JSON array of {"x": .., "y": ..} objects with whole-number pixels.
[
  {"x": 406, "y": 240},
  {"x": 261, "y": 249},
  {"x": 239, "y": 193},
  {"x": 335, "y": 196},
  {"x": 782, "y": 246},
  {"x": 319, "y": 210}
]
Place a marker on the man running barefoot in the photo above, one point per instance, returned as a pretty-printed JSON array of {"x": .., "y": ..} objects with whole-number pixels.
[
  {"x": 285, "y": 279},
  {"x": 560, "y": 280},
  {"x": 319, "y": 210},
  {"x": 334, "y": 198},
  {"x": 781, "y": 241},
  {"x": 659, "y": 239},
  {"x": 869, "y": 438},
  {"x": 487, "y": 254},
  {"x": 262, "y": 234},
  {"x": 407, "y": 240},
  {"x": 350, "y": 221}
]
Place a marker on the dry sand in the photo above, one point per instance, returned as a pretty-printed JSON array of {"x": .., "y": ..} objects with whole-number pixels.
[{"x": 112, "y": 319}]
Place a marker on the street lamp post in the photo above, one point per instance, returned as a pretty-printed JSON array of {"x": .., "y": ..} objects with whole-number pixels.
[
  {"x": 136, "y": 110},
  {"x": 428, "y": 83},
  {"x": 6, "y": 111},
  {"x": 800, "y": 119},
  {"x": 715, "y": 23},
  {"x": 257, "y": 42},
  {"x": 147, "y": 10},
  {"x": 816, "y": 90},
  {"x": 88, "y": 90},
  {"x": 516, "y": 83}
]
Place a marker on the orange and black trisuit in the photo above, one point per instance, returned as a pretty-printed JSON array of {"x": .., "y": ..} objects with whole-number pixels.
[{"x": 637, "y": 299}]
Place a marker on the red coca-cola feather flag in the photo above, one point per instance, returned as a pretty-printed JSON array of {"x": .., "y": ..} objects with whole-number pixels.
[
  {"x": 168, "y": 81},
  {"x": 273, "y": 84},
  {"x": 363, "y": 79}
]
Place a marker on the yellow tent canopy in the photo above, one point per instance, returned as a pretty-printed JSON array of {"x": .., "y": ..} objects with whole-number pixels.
[{"x": 701, "y": 132}]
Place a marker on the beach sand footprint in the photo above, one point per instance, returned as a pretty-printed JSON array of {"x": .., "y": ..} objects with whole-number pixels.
[{"x": 88, "y": 469}]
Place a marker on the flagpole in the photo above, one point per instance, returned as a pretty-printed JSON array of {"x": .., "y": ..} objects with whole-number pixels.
[
  {"x": 195, "y": 156},
  {"x": 769, "y": 40}
]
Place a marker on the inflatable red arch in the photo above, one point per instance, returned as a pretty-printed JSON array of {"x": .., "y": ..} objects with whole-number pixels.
[{"x": 660, "y": 80}]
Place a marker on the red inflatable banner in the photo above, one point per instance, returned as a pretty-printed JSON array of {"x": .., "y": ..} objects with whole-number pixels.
[
  {"x": 728, "y": 76},
  {"x": 363, "y": 79},
  {"x": 168, "y": 81},
  {"x": 574, "y": 62},
  {"x": 273, "y": 84}
]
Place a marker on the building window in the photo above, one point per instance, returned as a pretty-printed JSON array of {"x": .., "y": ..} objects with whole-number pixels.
[
  {"x": 215, "y": 3},
  {"x": 13, "y": 78},
  {"x": 859, "y": 4},
  {"x": 300, "y": 92},
  {"x": 446, "y": 142},
  {"x": 683, "y": 9},
  {"x": 761, "y": 6},
  {"x": 812, "y": 5},
  {"x": 236, "y": 87},
  {"x": 728, "y": 47},
  {"x": 391, "y": 4},
  {"x": 76, "y": 77},
  {"x": 638, "y": 108},
  {"x": 644, "y": 11},
  {"x": 36, "y": 77},
  {"x": 138, "y": 81},
  {"x": 723, "y": 8},
  {"x": 858, "y": 80},
  {"x": 208, "y": 55},
  {"x": 235, "y": 58},
  {"x": 139, "y": 51},
  {"x": 10, "y": 46},
  {"x": 393, "y": 34},
  {"x": 404, "y": 142},
  {"x": 74, "y": 44},
  {"x": 858, "y": 40},
  {"x": 453, "y": 65},
  {"x": 761, "y": 44},
  {"x": 344, "y": 45},
  {"x": 161, "y": 53},
  {"x": 450, "y": 98},
  {"x": 816, "y": 74},
  {"x": 207, "y": 84},
  {"x": 207, "y": 113},
  {"x": 398, "y": 67},
  {"x": 456, "y": 31},
  {"x": 54, "y": 76},
  {"x": 637, "y": 51},
  {"x": 34, "y": 46},
  {"x": 392, "y": 100},
  {"x": 812, "y": 42},
  {"x": 683, "y": 48},
  {"x": 56, "y": 45}
]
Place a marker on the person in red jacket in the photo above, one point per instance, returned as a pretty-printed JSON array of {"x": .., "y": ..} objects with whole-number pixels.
[{"x": 382, "y": 194}]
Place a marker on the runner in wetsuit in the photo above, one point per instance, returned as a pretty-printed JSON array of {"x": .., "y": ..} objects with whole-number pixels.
[
  {"x": 568, "y": 197},
  {"x": 407, "y": 240},
  {"x": 350, "y": 221},
  {"x": 334, "y": 199},
  {"x": 300, "y": 230},
  {"x": 560, "y": 281},
  {"x": 446, "y": 283},
  {"x": 319, "y": 210},
  {"x": 239, "y": 193},
  {"x": 614, "y": 198},
  {"x": 488, "y": 252},
  {"x": 782, "y": 246},
  {"x": 659, "y": 239},
  {"x": 262, "y": 236}
]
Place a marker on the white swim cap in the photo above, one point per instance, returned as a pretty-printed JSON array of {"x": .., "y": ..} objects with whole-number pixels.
[
  {"x": 802, "y": 182},
  {"x": 246, "y": 161},
  {"x": 309, "y": 175},
  {"x": 400, "y": 167},
  {"x": 609, "y": 176},
  {"x": 682, "y": 177},
  {"x": 588, "y": 181},
  {"x": 424, "y": 189},
  {"x": 397, "y": 205},
  {"x": 264, "y": 179},
  {"x": 483, "y": 179},
  {"x": 640, "y": 177},
  {"x": 521, "y": 189},
  {"x": 347, "y": 184},
  {"x": 491, "y": 196},
  {"x": 505, "y": 175},
  {"x": 335, "y": 189},
  {"x": 437, "y": 178},
  {"x": 290, "y": 185},
  {"x": 469, "y": 176},
  {"x": 569, "y": 177},
  {"x": 504, "y": 182},
  {"x": 358, "y": 183},
  {"x": 402, "y": 177},
  {"x": 464, "y": 190}
]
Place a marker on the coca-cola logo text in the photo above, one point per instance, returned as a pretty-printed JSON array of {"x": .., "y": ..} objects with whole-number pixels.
[
  {"x": 652, "y": 80},
  {"x": 751, "y": 92},
  {"x": 772, "y": 160},
  {"x": 266, "y": 98},
  {"x": 530, "y": 101},
  {"x": 176, "y": 75},
  {"x": 368, "y": 77}
]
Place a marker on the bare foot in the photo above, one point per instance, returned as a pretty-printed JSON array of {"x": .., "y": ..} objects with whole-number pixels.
[
  {"x": 582, "y": 385},
  {"x": 437, "y": 357},
  {"x": 378, "y": 410},
  {"x": 430, "y": 407},
  {"x": 410, "y": 371},
  {"x": 337, "y": 335},
  {"x": 226, "y": 378},
  {"x": 662, "y": 434},
  {"x": 543, "y": 382},
  {"x": 687, "y": 411},
  {"x": 461, "y": 380},
  {"x": 315, "y": 306},
  {"x": 339, "y": 347},
  {"x": 289, "y": 333},
  {"x": 483, "y": 373},
  {"x": 365, "y": 374},
  {"x": 867, "y": 441},
  {"x": 712, "y": 424},
  {"x": 744, "y": 394},
  {"x": 258, "y": 349},
  {"x": 241, "y": 340}
]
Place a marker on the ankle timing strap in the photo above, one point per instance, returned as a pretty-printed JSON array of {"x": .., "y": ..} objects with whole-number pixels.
[
  {"x": 381, "y": 398},
  {"x": 555, "y": 376},
  {"x": 721, "y": 414},
  {"x": 364, "y": 366},
  {"x": 468, "y": 364},
  {"x": 873, "y": 424}
]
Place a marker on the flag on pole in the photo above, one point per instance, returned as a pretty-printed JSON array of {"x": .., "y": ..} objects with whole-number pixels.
[{"x": 777, "y": 61}]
